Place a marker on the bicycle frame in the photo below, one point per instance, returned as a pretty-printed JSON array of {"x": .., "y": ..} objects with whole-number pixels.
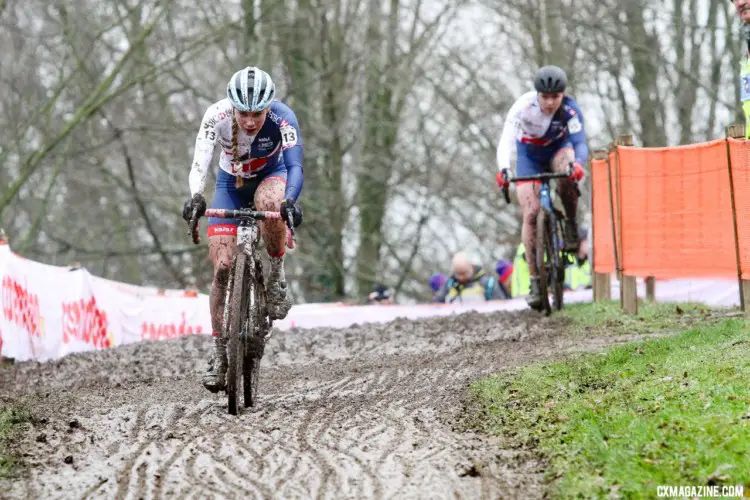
[
  {"x": 248, "y": 232},
  {"x": 245, "y": 323},
  {"x": 545, "y": 194},
  {"x": 552, "y": 270}
]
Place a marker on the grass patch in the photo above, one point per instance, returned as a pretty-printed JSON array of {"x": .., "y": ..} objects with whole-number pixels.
[
  {"x": 667, "y": 411},
  {"x": 10, "y": 419},
  {"x": 653, "y": 317}
]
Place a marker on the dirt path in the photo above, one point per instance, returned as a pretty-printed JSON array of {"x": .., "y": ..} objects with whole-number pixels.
[{"x": 363, "y": 412}]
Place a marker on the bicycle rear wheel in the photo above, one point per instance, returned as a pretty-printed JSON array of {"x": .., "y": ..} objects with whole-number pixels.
[
  {"x": 543, "y": 246},
  {"x": 258, "y": 325},
  {"x": 235, "y": 349}
]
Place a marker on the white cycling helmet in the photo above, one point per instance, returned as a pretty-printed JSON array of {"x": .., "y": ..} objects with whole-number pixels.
[{"x": 251, "y": 89}]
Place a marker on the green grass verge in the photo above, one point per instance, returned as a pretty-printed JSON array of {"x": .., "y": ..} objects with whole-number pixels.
[
  {"x": 608, "y": 318},
  {"x": 667, "y": 411},
  {"x": 10, "y": 419}
]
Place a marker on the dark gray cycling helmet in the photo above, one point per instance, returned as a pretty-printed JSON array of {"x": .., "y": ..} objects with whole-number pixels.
[{"x": 550, "y": 79}]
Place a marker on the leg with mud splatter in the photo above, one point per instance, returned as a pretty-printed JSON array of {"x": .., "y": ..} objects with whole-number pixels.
[
  {"x": 528, "y": 197},
  {"x": 566, "y": 189},
  {"x": 268, "y": 197},
  {"x": 221, "y": 250}
]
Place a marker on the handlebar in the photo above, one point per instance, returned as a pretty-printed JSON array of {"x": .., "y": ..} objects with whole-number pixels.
[
  {"x": 240, "y": 213},
  {"x": 541, "y": 177}
]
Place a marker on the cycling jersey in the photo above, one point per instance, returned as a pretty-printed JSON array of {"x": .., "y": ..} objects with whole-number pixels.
[
  {"x": 277, "y": 144},
  {"x": 537, "y": 136}
]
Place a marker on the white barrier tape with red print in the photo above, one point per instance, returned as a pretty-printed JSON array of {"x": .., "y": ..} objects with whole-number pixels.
[{"x": 49, "y": 311}]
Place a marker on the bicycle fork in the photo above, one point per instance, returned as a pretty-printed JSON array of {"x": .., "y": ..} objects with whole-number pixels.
[{"x": 248, "y": 235}]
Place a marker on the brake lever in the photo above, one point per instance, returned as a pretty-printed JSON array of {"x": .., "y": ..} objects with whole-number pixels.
[
  {"x": 506, "y": 194},
  {"x": 571, "y": 169},
  {"x": 290, "y": 220},
  {"x": 193, "y": 227}
]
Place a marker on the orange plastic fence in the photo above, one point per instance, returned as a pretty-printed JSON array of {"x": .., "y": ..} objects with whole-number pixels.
[
  {"x": 739, "y": 153},
  {"x": 604, "y": 255},
  {"x": 675, "y": 210}
]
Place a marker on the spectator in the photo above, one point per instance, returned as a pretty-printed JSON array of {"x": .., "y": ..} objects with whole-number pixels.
[
  {"x": 469, "y": 283},
  {"x": 380, "y": 295},
  {"x": 578, "y": 273},
  {"x": 504, "y": 270},
  {"x": 520, "y": 278},
  {"x": 436, "y": 282},
  {"x": 743, "y": 11}
]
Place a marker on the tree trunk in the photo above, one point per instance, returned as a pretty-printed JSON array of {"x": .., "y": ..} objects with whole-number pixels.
[
  {"x": 373, "y": 177},
  {"x": 334, "y": 108},
  {"x": 645, "y": 79}
]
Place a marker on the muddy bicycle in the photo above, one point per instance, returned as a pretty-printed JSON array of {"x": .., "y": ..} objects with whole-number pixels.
[
  {"x": 551, "y": 256},
  {"x": 246, "y": 326}
]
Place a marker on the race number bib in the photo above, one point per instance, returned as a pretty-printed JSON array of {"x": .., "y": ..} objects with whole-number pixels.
[
  {"x": 574, "y": 125},
  {"x": 288, "y": 137}
]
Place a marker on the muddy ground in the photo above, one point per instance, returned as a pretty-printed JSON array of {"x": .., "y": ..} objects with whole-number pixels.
[{"x": 362, "y": 412}]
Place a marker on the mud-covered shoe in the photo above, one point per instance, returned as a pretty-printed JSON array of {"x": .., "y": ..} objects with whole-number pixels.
[
  {"x": 215, "y": 377},
  {"x": 571, "y": 235},
  {"x": 534, "y": 299},
  {"x": 278, "y": 303}
]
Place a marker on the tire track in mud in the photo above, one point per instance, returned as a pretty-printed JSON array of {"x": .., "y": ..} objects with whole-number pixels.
[{"x": 363, "y": 412}]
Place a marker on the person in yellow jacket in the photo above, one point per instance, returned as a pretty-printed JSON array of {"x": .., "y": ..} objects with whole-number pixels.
[
  {"x": 469, "y": 283},
  {"x": 519, "y": 286},
  {"x": 743, "y": 10},
  {"x": 578, "y": 272}
]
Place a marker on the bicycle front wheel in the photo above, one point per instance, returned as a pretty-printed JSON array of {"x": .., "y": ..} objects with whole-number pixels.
[
  {"x": 557, "y": 266},
  {"x": 255, "y": 333},
  {"x": 235, "y": 349},
  {"x": 543, "y": 246}
]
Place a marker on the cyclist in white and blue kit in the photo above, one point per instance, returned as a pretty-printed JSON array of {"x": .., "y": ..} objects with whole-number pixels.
[
  {"x": 260, "y": 163},
  {"x": 545, "y": 126}
]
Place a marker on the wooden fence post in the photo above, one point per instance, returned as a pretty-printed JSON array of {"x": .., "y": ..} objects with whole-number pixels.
[
  {"x": 736, "y": 131},
  {"x": 628, "y": 288},
  {"x": 602, "y": 282},
  {"x": 650, "y": 288},
  {"x": 613, "y": 213}
]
